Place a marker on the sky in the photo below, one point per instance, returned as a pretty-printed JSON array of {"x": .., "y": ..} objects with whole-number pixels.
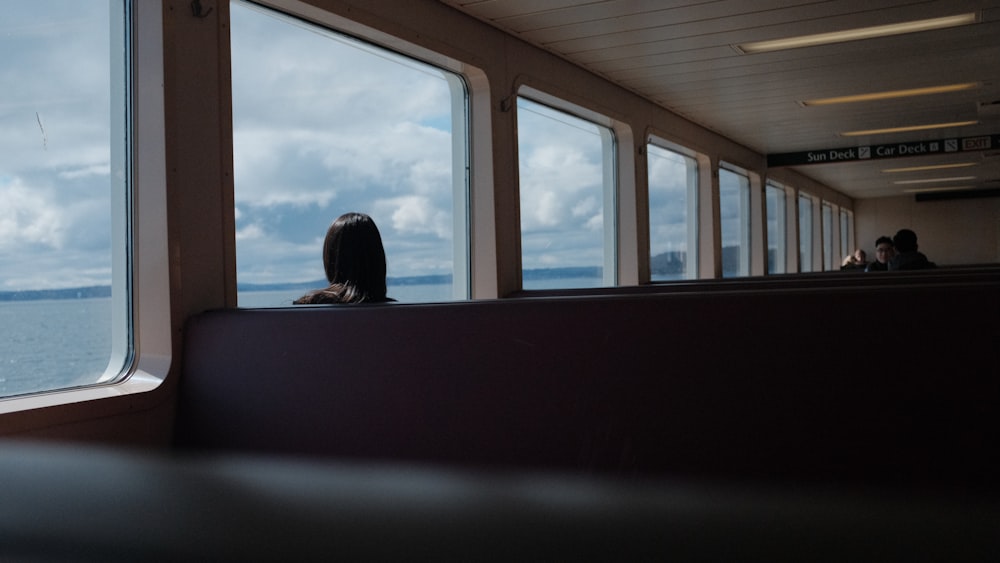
[
  {"x": 322, "y": 125},
  {"x": 55, "y": 188}
]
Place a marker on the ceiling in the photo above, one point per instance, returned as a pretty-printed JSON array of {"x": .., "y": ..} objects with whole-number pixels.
[{"x": 681, "y": 54}]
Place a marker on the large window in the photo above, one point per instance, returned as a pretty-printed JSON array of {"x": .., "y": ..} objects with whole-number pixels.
[
  {"x": 846, "y": 231},
  {"x": 673, "y": 212},
  {"x": 324, "y": 124},
  {"x": 828, "y": 259},
  {"x": 63, "y": 193},
  {"x": 777, "y": 232},
  {"x": 567, "y": 185},
  {"x": 805, "y": 233},
  {"x": 734, "y": 213}
]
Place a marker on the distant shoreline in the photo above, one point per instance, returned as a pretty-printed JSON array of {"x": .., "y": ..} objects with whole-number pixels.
[
  {"x": 88, "y": 292},
  {"x": 97, "y": 291}
]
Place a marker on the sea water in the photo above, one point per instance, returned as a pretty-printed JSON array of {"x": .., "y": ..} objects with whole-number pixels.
[{"x": 53, "y": 344}]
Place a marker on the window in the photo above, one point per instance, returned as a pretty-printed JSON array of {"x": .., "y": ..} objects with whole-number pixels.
[
  {"x": 805, "y": 233},
  {"x": 567, "y": 199},
  {"x": 64, "y": 182},
  {"x": 324, "y": 124},
  {"x": 777, "y": 233},
  {"x": 828, "y": 261},
  {"x": 846, "y": 231},
  {"x": 673, "y": 212},
  {"x": 734, "y": 213}
]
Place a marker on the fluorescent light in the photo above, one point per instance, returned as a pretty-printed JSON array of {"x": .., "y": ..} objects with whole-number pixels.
[
  {"x": 856, "y": 34},
  {"x": 947, "y": 189},
  {"x": 931, "y": 167},
  {"x": 907, "y": 128},
  {"x": 932, "y": 180},
  {"x": 891, "y": 94}
]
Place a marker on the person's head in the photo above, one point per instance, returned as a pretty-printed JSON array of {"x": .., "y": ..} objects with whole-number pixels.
[
  {"x": 883, "y": 249},
  {"x": 859, "y": 256},
  {"x": 905, "y": 241},
  {"x": 354, "y": 258}
]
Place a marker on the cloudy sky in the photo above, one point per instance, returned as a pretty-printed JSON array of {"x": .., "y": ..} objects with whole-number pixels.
[
  {"x": 668, "y": 201},
  {"x": 323, "y": 125},
  {"x": 54, "y": 145}
]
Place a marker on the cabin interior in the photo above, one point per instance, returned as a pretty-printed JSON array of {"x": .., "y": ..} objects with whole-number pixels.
[{"x": 811, "y": 415}]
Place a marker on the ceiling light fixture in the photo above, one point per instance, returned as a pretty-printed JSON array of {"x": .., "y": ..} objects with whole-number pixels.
[
  {"x": 932, "y": 180},
  {"x": 874, "y": 96},
  {"x": 946, "y": 189},
  {"x": 931, "y": 167},
  {"x": 907, "y": 128},
  {"x": 856, "y": 34}
]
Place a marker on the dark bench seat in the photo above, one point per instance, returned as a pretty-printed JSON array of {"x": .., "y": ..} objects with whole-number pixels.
[
  {"x": 888, "y": 386},
  {"x": 76, "y": 504}
]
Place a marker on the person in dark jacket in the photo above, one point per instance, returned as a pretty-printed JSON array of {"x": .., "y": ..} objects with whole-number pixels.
[
  {"x": 883, "y": 253},
  {"x": 907, "y": 257}
]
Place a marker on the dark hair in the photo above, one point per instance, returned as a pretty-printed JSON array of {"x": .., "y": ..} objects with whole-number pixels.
[
  {"x": 905, "y": 240},
  {"x": 882, "y": 239},
  {"x": 354, "y": 260}
]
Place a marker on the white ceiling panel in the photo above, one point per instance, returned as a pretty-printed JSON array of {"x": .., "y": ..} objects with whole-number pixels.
[{"x": 680, "y": 54}]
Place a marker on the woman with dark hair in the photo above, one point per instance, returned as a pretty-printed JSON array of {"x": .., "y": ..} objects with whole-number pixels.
[{"x": 354, "y": 260}]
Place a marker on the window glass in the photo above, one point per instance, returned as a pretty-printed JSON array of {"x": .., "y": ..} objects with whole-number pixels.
[
  {"x": 734, "y": 213},
  {"x": 828, "y": 261},
  {"x": 324, "y": 124},
  {"x": 805, "y": 233},
  {"x": 566, "y": 175},
  {"x": 777, "y": 234},
  {"x": 845, "y": 243},
  {"x": 673, "y": 196},
  {"x": 846, "y": 231},
  {"x": 62, "y": 131}
]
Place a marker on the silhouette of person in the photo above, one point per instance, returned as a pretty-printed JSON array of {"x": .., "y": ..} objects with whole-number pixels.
[
  {"x": 354, "y": 260},
  {"x": 884, "y": 252},
  {"x": 907, "y": 257}
]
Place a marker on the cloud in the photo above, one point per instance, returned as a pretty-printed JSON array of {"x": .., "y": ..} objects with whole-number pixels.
[
  {"x": 562, "y": 189},
  {"x": 250, "y": 232},
  {"x": 415, "y": 215},
  {"x": 92, "y": 170},
  {"x": 27, "y": 218}
]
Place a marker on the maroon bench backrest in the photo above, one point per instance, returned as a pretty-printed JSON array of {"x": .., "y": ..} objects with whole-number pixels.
[{"x": 894, "y": 386}]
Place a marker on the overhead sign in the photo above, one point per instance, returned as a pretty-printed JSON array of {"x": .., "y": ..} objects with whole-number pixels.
[{"x": 893, "y": 150}]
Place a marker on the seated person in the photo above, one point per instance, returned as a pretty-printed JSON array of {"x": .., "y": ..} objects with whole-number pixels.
[
  {"x": 856, "y": 261},
  {"x": 884, "y": 252},
  {"x": 907, "y": 257},
  {"x": 354, "y": 260}
]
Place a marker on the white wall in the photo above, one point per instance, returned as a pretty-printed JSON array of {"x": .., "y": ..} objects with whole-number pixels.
[{"x": 961, "y": 231}]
